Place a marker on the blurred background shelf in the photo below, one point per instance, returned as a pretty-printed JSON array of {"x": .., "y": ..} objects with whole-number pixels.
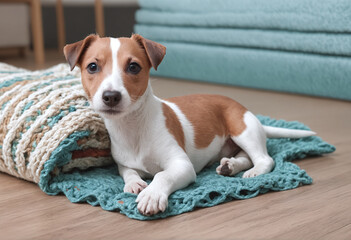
[
  {"x": 90, "y": 2},
  {"x": 57, "y": 22}
]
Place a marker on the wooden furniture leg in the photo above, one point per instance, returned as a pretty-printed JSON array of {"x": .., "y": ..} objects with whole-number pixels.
[
  {"x": 60, "y": 22},
  {"x": 37, "y": 32},
  {"x": 99, "y": 18}
]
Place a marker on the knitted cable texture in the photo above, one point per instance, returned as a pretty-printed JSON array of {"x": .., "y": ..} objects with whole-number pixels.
[
  {"x": 49, "y": 135},
  {"x": 38, "y": 111}
]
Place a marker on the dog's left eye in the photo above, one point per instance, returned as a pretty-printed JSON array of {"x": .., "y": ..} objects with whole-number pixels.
[
  {"x": 134, "y": 68},
  {"x": 93, "y": 68}
]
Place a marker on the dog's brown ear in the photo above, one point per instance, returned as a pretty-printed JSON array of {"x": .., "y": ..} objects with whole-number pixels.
[
  {"x": 154, "y": 51},
  {"x": 73, "y": 52}
]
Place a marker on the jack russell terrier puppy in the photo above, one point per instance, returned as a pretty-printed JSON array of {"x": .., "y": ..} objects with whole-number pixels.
[{"x": 170, "y": 140}]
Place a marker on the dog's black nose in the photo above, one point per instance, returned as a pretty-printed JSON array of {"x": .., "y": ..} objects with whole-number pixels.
[{"x": 111, "y": 98}]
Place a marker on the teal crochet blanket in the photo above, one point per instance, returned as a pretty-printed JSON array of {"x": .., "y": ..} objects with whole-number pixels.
[{"x": 103, "y": 186}]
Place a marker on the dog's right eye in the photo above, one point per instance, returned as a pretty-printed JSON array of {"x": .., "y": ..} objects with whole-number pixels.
[
  {"x": 133, "y": 68},
  {"x": 93, "y": 68}
]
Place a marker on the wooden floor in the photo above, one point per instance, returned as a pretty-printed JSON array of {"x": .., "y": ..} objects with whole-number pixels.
[{"x": 318, "y": 211}]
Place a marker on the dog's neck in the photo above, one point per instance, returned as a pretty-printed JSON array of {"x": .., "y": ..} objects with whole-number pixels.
[{"x": 141, "y": 117}]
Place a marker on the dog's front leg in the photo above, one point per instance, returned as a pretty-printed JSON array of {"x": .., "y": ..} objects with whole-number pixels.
[
  {"x": 132, "y": 180},
  {"x": 176, "y": 175}
]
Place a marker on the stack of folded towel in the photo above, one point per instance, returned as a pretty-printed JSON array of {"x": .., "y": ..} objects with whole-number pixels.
[{"x": 295, "y": 46}]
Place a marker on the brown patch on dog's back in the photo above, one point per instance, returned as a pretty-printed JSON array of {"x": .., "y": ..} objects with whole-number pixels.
[
  {"x": 211, "y": 115},
  {"x": 234, "y": 117},
  {"x": 173, "y": 124},
  {"x": 128, "y": 52}
]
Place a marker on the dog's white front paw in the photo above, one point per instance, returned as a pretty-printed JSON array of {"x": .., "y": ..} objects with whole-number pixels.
[
  {"x": 151, "y": 201},
  {"x": 135, "y": 187}
]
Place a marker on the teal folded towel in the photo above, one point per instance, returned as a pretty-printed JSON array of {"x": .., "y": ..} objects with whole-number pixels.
[
  {"x": 102, "y": 186},
  {"x": 310, "y": 74},
  {"x": 300, "y": 46},
  {"x": 319, "y": 43},
  {"x": 297, "y": 15}
]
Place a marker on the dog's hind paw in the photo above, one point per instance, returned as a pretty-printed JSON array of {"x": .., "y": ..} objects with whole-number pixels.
[
  {"x": 226, "y": 168},
  {"x": 259, "y": 169}
]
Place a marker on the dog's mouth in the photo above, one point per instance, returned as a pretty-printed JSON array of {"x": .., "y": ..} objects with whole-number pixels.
[{"x": 110, "y": 111}]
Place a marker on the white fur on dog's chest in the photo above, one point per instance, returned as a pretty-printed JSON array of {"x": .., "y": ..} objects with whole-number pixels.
[
  {"x": 130, "y": 153},
  {"x": 132, "y": 148}
]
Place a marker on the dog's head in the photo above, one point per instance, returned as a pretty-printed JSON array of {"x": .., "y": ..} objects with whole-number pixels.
[{"x": 115, "y": 71}]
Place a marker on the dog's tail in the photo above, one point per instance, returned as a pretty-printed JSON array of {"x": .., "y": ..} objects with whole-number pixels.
[{"x": 275, "y": 132}]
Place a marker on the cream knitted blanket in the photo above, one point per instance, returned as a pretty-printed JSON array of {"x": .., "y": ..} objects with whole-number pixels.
[{"x": 38, "y": 110}]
